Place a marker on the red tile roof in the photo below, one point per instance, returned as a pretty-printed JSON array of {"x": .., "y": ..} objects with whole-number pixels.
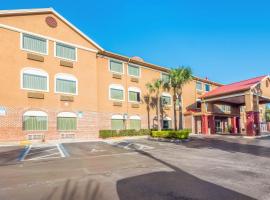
[{"x": 233, "y": 87}]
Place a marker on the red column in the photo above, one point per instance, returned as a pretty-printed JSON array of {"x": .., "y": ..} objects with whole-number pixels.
[
  {"x": 234, "y": 126},
  {"x": 212, "y": 126},
  {"x": 204, "y": 124},
  {"x": 250, "y": 123},
  {"x": 257, "y": 122}
]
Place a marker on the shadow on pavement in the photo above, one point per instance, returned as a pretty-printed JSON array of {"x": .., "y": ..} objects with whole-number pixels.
[
  {"x": 10, "y": 156},
  {"x": 172, "y": 185},
  {"x": 231, "y": 147},
  {"x": 74, "y": 190}
]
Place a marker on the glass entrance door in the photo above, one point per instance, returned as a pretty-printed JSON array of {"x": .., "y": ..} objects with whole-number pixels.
[{"x": 218, "y": 126}]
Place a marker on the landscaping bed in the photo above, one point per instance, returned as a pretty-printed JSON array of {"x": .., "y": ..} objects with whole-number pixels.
[
  {"x": 171, "y": 134},
  {"x": 118, "y": 133}
]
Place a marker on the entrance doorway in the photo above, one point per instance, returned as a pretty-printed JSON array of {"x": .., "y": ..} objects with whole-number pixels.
[{"x": 218, "y": 126}]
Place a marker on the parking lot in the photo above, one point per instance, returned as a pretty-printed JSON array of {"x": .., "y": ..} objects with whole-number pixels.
[{"x": 213, "y": 168}]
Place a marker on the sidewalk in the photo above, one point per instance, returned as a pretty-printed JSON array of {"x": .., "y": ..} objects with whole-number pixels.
[
  {"x": 61, "y": 141},
  {"x": 263, "y": 135}
]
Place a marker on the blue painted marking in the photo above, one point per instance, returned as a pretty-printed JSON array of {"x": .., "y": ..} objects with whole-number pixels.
[
  {"x": 23, "y": 152},
  {"x": 64, "y": 150}
]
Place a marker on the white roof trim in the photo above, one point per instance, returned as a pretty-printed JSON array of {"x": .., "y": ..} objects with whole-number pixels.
[
  {"x": 252, "y": 87},
  {"x": 2, "y": 12},
  {"x": 135, "y": 117},
  {"x": 66, "y": 114},
  {"x": 134, "y": 89},
  {"x": 35, "y": 114},
  {"x": 117, "y": 117}
]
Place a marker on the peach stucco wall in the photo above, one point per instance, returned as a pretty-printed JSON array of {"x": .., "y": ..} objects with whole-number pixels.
[{"x": 92, "y": 72}]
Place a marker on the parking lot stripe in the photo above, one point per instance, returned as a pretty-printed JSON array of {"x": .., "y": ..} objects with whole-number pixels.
[
  {"x": 42, "y": 157},
  {"x": 60, "y": 150},
  {"x": 41, "y": 151},
  {"x": 64, "y": 150},
  {"x": 25, "y": 152}
]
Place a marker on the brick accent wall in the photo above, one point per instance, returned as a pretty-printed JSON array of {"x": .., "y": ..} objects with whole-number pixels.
[{"x": 11, "y": 125}]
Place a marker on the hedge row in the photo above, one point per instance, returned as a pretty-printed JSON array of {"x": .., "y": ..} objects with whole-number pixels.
[
  {"x": 128, "y": 132},
  {"x": 181, "y": 134}
]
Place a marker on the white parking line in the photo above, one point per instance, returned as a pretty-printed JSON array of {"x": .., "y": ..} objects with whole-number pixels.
[
  {"x": 42, "y": 157},
  {"x": 25, "y": 153},
  {"x": 60, "y": 150},
  {"x": 40, "y": 151}
]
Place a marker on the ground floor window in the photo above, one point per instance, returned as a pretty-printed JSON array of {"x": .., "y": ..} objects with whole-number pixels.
[
  {"x": 66, "y": 121},
  {"x": 167, "y": 123},
  {"x": 117, "y": 122},
  {"x": 35, "y": 121},
  {"x": 135, "y": 122}
]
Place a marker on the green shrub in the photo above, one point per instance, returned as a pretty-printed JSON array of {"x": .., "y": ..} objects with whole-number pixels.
[
  {"x": 181, "y": 134},
  {"x": 128, "y": 132},
  {"x": 107, "y": 133}
]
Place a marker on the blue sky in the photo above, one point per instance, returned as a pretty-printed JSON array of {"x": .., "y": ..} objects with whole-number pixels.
[{"x": 225, "y": 40}]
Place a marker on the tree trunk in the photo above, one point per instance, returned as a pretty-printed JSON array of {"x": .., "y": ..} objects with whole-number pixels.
[
  {"x": 158, "y": 112},
  {"x": 180, "y": 112},
  {"x": 174, "y": 109}
]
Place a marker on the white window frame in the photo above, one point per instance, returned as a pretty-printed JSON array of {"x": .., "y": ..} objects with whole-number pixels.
[
  {"x": 134, "y": 66},
  {"x": 162, "y": 74},
  {"x": 134, "y": 89},
  {"x": 62, "y": 58},
  {"x": 34, "y": 113},
  {"x": 135, "y": 117},
  {"x": 202, "y": 86},
  {"x": 31, "y": 51},
  {"x": 165, "y": 94},
  {"x": 200, "y": 101},
  {"x": 67, "y": 114},
  {"x": 68, "y": 77},
  {"x": 167, "y": 119},
  {"x": 205, "y": 87},
  {"x": 34, "y": 71},
  {"x": 117, "y": 87},
  {"x": 117, "y": 116},
  {"x": 109, "y": 66}
]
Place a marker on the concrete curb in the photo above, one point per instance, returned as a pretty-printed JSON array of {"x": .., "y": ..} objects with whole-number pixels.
[
  {"x": 168, "y": 140},
  {"x": 62, "y": 141}
]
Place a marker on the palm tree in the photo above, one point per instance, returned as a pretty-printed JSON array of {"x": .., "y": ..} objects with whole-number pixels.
[
  {"x": 156, "y": 87},
  {"x": 178, "y": 78}
]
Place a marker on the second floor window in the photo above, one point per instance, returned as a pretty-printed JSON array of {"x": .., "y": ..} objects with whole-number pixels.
[
  {"x": 116, "y": 92},
  {"x": 134, "y": 94},
  {"x": 199, "y": 86},
  {"x": 165, "y": 78},
  {"x": 35, "y": 79},
  {"x": 133, "y": 70},
  {"x": 207, "y": 87},
  {"x": 65, "y": 51},
  {"x": 34, "y": 44},
  {"x": 225, "y": 108},
  {"x": 166, "y": 100},
  {"x": 116, "y": 67},
  {"x": 66, "y": 84}
]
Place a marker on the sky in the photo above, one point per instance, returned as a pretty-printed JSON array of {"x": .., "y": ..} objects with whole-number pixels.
[{"x": 225, "y": 40}]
